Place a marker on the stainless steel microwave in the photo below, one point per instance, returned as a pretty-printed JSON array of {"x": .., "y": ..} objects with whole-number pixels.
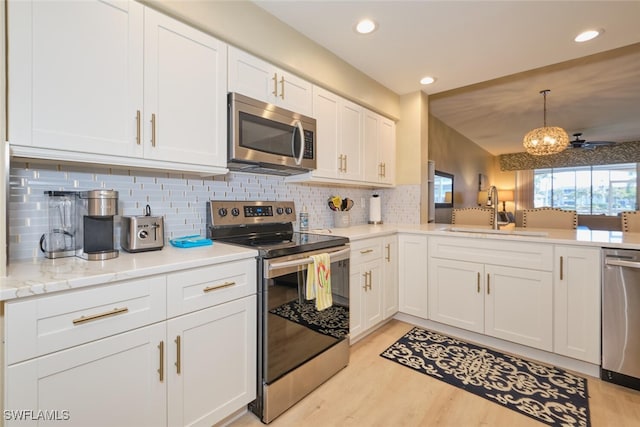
[{"x": 264, "y": 138}]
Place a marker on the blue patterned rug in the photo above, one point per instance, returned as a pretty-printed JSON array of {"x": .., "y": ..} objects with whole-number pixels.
[
  {"x": 547, "y": 394},
  {"x": 333, "y": 321}
]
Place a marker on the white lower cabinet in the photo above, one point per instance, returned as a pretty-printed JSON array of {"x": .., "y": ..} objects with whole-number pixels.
[
  {"x": 110, "y": 382},
  {"x": 390, "y": 276},
  {"x": 507, "y": 301},
  {"x": 412, "y": 275},
  {"x": 118, "y": 358},
  {"x": 212, "y": 364},
  {"x": 577, "y": 297},
  {"x": 365, "y": 286}
]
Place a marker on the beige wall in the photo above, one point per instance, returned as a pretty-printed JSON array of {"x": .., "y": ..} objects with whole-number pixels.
[
  {"x": 458, "y": 155},
  {"x": 245, "y": 25}
]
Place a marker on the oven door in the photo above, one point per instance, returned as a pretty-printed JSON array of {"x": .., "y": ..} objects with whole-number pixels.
[
  {"x": 294, "y": 331},
  {"x": 261, "y": 133}
]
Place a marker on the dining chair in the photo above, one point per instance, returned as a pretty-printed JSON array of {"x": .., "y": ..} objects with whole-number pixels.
[
  {"x": 631, "y": 221},
  {"x": 472, "y": 216},
  {"x": 549, "y": 218}
]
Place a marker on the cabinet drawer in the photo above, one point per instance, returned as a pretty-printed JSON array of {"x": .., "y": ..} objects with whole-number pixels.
[
  {"x": 204, "y": 287},
  {"x": 366, "y": 250},
  {"x": 534, "y": 256},
  {"x": 41, "y": 325}
]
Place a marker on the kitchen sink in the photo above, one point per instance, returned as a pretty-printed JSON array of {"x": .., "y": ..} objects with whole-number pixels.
[{"x": 500, "y": 232}]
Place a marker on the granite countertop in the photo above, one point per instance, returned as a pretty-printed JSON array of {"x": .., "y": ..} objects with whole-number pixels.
[{"x": 41, "y": 276}]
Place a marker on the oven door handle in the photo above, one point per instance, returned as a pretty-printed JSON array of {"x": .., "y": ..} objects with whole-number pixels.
[{"x": 304, "y": 261}]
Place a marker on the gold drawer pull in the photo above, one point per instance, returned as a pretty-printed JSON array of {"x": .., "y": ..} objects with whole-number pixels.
[
  {"x": 214, "y": 287},
  {"x": 161, "y": 368},
  {"x": 366, "y": 251},
  {"x": 84, "y": 319},
  {"x": 178, "y": 356}
]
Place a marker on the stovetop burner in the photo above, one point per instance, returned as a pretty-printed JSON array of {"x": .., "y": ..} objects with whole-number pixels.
[{"x": 265, "y": 226}]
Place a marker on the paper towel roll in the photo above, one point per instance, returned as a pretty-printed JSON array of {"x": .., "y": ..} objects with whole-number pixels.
[{"x": 375, "y": 210}]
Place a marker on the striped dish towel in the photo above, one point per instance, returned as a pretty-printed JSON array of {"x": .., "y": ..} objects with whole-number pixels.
[{"x": 319, "y": 281}]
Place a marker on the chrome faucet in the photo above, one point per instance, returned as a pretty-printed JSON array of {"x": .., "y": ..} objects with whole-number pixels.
[{"x": 492, "y": 200}]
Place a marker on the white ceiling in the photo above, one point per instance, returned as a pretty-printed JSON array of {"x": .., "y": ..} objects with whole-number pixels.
[{"x": 469, "y": 46}]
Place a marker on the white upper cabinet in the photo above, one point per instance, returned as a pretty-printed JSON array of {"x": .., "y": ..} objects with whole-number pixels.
[
  {"x": 184, "y": 92},
  {"x": 379, "y": 149},
  {"x": 339, "y": 138},
  {"x": 263, "y": 81},
  {"x": 75, "y": 75},
  {"x": 86, "y": 77}
]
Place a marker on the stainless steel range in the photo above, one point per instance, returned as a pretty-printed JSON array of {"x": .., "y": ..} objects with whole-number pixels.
[{"x": 299, "y": 347}]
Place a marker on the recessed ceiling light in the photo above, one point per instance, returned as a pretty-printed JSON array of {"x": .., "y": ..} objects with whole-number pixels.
[
  {"x": 366, "y": 26},
  {"x": 587, "y": 35},
  {"x": 427, "y": 80}
]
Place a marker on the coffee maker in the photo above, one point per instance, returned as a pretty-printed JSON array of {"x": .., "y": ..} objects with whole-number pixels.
[
  {"x": 60, "y": 241},
  {"x": 96, "y": 212}
]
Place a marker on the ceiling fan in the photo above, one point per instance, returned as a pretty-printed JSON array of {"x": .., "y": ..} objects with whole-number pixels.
[{"x": 578, "y": 142}]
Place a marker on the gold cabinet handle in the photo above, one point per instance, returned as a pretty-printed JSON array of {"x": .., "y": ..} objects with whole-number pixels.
[
  {"x": 84, "y": 319},
  {"x": 138, "y": 127},
  {"x": 488, "y": 284},
  {"x": 561, "y": 268},
  {"x": 178, "y": 360},
  {"x": 282, "y": 87},
  {"x": 275, "y": 84},
  {"x": 366, "y": 251},
  {"x": 341, "y": 167},
  {"x": 366, "y": 282},
  {"x": 214, "y": 287},
  {"x": 161, "y": 368},
  {"x": 369, "y": 279},
  {"x": 346, "y": 165},
  {"x": 384, "y": 170},
  {"x": 478, "y": 282},
  {"x": 388, "y": 257},
  {"x": 153, "y": 129}
]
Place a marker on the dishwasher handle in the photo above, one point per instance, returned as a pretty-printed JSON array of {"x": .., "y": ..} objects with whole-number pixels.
[{"x": 622, "y": 263}]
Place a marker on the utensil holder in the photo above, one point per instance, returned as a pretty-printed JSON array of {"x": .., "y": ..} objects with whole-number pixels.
[{"x": 341, "y": 219}]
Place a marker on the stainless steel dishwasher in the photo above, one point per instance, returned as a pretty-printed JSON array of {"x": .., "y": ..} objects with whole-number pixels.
[{"x": 621, "y": 317}]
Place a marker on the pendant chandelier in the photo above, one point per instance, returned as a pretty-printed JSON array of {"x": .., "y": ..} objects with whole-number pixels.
[{"x": 547, "y": 139}]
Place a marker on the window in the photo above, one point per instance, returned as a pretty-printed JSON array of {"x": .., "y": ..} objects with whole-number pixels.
[{"x": 590, "y": 190}]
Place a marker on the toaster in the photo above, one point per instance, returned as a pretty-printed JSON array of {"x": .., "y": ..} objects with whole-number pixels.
[{"x": 142, "y": 233}]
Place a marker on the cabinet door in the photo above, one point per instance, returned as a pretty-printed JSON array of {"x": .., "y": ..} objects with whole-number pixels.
[
  {"x": 350, "y": 147},
  {"x": 456, "y": 293},
  {"x": 114, "y": 381},
  {"x": 371, "y": 137},
  {"x": 519, "y": 305},
  {"x": 251, "y": 76},
  {"x": 412, "y": 275},
  {"x": 387, "y": 151},
  {"x": 75, "y": 75},
  {"x": 390, "y": 276},
  {"x": 211, "y": 362},
  {"x": 185, "y": 93},
  {"x": 577, "y": 303},
  {"x": 372, "y": 294},
  {"x": 295, "y": 94},
  {"x": 326, "y": 110}
]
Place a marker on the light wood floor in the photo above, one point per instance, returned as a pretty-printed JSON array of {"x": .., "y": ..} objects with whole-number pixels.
[{"x": 373, "y": 391}]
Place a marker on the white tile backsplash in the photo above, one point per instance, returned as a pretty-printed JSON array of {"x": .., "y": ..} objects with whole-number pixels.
[{"x": 181, "y": 198}]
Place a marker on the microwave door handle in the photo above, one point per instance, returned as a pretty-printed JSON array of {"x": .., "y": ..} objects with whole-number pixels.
[{"x": 298, "y": 160}]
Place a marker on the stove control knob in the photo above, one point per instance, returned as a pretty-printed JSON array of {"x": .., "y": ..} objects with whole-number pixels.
[
  {"x": 235, "y": 211},
  {"x": 280, "y": 211},
  {"x": 288, "y": 211},
  {"x": 222, "y": 211}
]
